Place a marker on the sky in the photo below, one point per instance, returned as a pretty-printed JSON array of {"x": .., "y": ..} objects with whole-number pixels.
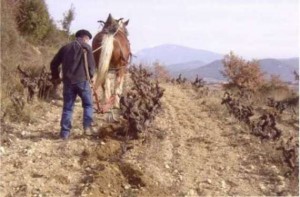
[{"x": 250, "y": 28}]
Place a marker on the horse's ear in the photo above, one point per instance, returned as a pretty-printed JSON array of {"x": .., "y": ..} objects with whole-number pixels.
[
  {"x": 110, "y": 18},
  {"x": 126, "y": 22}
]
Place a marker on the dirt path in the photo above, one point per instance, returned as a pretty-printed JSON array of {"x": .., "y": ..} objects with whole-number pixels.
[
  {"x": 191, "y": 150},
  {"x": 198, "y": 155},
  {"x": 205, "y": 154}
]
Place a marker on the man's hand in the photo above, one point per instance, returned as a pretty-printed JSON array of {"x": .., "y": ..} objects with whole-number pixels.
[
  {"x": 56, "y": 81},
  {"x": 92, "y": 80}
]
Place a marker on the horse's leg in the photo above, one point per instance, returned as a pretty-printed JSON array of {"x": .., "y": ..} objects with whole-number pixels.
[
  {"x": 109, "y": 99},
  {"x": 119, "y": 87},
  {"x": 107, "y": 88}
]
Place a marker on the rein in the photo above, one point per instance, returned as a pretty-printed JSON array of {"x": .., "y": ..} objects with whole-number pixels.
[{"x": 97, "y": 49}]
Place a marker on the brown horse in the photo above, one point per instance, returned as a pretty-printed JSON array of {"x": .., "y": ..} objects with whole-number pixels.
[{"x": 111, "y": 52}]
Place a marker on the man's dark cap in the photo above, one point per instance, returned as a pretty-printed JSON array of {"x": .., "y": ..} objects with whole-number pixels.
[{"x": 83, "y": 32}]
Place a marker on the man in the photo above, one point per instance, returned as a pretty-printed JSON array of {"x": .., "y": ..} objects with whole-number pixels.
[{"x": 75, "y": 80}]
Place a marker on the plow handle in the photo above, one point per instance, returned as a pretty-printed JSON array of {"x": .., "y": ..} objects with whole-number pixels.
[{"x": 90, "y": 81}]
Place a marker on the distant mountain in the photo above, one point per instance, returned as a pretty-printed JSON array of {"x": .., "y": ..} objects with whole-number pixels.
[
  {"x": 294, "y": 62},
  {"x": 168, "y": 54},
  {"x": 189, "y": 62},
  {"x": 209, "y": 72},
  {"x": 176, "y": 69},
  {"x": 283, "y": 68},
  {"x": 212, "y": 71}
]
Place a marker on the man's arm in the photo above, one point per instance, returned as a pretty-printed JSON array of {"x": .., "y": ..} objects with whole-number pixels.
[{"x": 54, "y": 65}]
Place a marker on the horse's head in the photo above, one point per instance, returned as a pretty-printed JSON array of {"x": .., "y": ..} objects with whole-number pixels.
[
  {"x": 113, "y": 25},
  {"x": 122, "y": 26}
]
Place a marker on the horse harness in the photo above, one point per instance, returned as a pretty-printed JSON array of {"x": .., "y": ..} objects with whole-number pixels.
[
  {"x": 99, "y": 109},
  {"x": 121, "y": 49}
]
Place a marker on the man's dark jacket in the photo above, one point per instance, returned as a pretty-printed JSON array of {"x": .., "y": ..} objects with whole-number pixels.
[{"x": 72, "y": 59}]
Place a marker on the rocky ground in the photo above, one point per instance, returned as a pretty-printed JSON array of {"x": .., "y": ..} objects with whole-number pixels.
[{"x": 194, "y": 148}]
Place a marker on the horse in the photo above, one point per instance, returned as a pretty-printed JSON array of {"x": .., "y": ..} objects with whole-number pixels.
[{"x": 112, "y": 53}]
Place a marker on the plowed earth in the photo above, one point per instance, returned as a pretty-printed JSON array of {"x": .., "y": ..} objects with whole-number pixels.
[{"x": 193, "y": 148}]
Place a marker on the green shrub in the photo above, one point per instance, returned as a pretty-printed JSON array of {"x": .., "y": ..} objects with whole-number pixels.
[
  {"x": 55, "y": 38},
  {"x": 33, "y": 20}
]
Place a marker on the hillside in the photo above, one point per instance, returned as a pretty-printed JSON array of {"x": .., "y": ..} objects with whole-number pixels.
[
  {"x": 194, "y": 148},
  {"x": 28, "y": 45},
  {"x": 173, "y": 54}
]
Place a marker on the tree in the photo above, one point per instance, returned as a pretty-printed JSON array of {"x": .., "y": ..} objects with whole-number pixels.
[
  {"x": 69, "y": 16},
  {"x": 160, "y": 72},
  {"x": 241, "y": 73}
]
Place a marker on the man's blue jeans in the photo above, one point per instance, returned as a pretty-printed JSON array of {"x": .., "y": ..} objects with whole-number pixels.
[{"x": 70, "y": 92}]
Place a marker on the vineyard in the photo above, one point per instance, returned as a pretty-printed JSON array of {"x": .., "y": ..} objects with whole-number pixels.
[{"x": 170, "y": 136}]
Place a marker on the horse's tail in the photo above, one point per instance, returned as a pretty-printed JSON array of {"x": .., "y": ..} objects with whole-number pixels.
[{"x": 105, "y": 57}]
